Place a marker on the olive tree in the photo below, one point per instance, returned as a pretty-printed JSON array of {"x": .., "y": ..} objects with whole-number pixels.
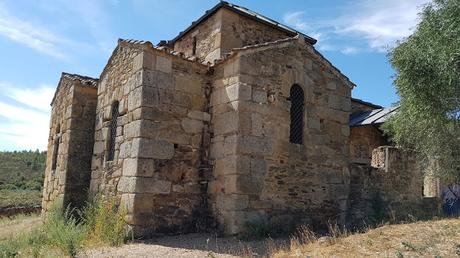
[{"x": 427, "y": 65}]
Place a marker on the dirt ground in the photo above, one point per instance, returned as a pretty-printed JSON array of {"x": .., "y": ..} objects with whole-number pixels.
[
  {"x": 21, "y": 223},
  {"x": 193, "y": 245}
]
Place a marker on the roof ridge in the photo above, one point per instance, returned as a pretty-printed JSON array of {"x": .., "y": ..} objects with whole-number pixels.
[
  {"x": 166, "y": 50},
  {"x": 234, "y": 51},
  {"x": 79, "y": 77},
  {"x": 366, "y": 103},
  {"x": 244, "y": 12},
  {"x": 86, "y": 80}
]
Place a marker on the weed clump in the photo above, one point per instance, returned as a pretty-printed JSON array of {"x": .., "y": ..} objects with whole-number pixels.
[{"x": 67, "y": 231}]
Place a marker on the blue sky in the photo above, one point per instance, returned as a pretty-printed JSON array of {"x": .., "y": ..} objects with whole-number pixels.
[{"x": 42, "y": 38}]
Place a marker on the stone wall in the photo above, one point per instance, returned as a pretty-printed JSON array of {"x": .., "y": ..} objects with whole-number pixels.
[
  {"x": 259, "y": 175},
  {"x": 363, "y": 140},
  {"x": 392, "y": 188},
  {"x": 165, "y": 177},
  {"x": 116, "y": 83},
  {"x": 222, "y": 32},
  {"x": 208, "y": 37},
  {"x": 72, "y": 124},
  {"x": 160, "y": 163},
  {"x": 239, "y": 31}
]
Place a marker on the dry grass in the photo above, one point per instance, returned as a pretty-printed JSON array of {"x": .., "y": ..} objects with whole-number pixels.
[
  {"x": 438, "y": 238},
  {"x": 9, "y": 227}
]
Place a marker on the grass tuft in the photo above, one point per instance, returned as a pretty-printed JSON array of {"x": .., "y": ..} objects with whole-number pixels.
[{"x": 65, "y": 232}]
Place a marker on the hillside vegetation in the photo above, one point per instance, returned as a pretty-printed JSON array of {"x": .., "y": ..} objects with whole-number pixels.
[{"x": 21, "y": 177}]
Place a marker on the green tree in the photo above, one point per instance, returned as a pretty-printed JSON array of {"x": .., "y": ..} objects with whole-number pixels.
[{"x": 427, "y": 65}]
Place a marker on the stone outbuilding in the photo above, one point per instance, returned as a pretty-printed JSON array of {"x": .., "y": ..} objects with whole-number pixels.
[{"x": 238, "y": 119}]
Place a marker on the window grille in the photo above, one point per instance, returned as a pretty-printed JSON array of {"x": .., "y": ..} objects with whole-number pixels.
[
  {"x": 297, "y": 110},
  {"x": 113, "y": 131},
  {"x": 57, "y": 139}
]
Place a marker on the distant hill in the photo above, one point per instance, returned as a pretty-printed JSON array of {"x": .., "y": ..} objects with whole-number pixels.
[
  {"x": 22, "y": 170},
  {"x": 21, "y": 178}
]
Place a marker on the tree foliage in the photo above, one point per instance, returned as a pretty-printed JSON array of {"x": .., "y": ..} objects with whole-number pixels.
[{"x": 427, "y": 64}]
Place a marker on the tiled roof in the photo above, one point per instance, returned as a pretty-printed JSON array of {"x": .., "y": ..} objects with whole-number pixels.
[
  {"x": 322, "y": 59},
  {"x": 246, "y": 13},
  {"x": 360, "y": 101},
  {"x": 142, "y": 43},
  {"x": 372, "y": 117},
  {"x": 84, "y": 80},
  {"x": 87, "y": 81}
]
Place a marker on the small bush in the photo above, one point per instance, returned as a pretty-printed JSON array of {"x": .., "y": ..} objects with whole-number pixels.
[
  {"x": 64, "y": 231},
  {"x": 105, "y": 221},
  {"x": 257, "y": 229}
]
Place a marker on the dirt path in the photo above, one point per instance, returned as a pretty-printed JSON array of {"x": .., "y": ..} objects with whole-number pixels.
[
  {"x": 193, "y": 245},
  {"x": 11, "y": 227}
]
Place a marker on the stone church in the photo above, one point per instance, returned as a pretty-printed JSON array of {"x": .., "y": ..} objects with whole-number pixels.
[{"x": 238, "y": 119}]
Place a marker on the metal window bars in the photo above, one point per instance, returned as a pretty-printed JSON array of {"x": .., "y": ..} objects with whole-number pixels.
[{"x": 297, "y": 111}]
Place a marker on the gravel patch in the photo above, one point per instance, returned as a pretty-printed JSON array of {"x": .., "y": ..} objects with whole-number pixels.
[{"x": 192, "y": 245}]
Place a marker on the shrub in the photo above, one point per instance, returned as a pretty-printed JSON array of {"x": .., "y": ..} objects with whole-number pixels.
[
  {"x": 105, "y": 221},
  {"x": 257, "y": 229},
  {"x": 64, "y": 231}
]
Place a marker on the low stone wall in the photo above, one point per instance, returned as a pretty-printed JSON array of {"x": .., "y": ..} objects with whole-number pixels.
[{"x": 391, "y": 188}]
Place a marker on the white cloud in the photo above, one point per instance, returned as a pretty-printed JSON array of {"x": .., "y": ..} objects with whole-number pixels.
[
  {"x": 30, "y": 35},
  {"x": 25, "y": 123},
  {"x": 39, "y": 98},
  {"x": 350, "y": 50},
  {"x": 376, "y": 23},
  {"x": 381, "y": 22},
  {"x": 295, "y": 19}
]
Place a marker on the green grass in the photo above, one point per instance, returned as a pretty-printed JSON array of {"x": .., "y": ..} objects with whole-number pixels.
[
  {"x": 68, "y": 232},
  {"x": 17, "y": 198}
]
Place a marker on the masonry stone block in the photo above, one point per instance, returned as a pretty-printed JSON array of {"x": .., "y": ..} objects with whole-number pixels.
[
  {"x": 248, "y": 144},
  {"x": 144, "y": 60},
  {"x": 192, "y": 126},
  {"x": 259, "y": 96},
  {"x": 232, "y": 165},
  {"x": 164, "y": 64},
  {"x": 148, "y": 148},
  {"x": 232, "y": 202},
  {"x": 198, "y": 115},
  {"x": 138, "y": 167},
  {"x": 188, "y": 84}
]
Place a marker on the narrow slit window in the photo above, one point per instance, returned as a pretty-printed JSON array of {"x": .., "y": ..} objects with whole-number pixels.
[
  {"x": 113, "y": 131},
  {"x": 57, "y": 139},
  {"x": 194, "y": 46},
  {"x": 297, "y": 111}
]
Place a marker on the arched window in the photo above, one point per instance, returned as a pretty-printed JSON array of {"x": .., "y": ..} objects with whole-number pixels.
[
  {"x": 113, "y": 131},
  {"x": 57, "y": 139},
  {"x": 297, "y": 109}
]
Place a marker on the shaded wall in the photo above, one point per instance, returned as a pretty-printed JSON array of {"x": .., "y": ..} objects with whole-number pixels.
[
  {"x": 391, "y": 188},
  {"x": 363, "y": 140},
  {"x": 259, "y": 174},
  {"x": 72, "y": 125}
]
